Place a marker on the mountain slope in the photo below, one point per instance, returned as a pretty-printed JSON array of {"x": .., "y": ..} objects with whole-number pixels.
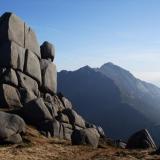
[
  {"x": 116, "y": 101},
  {"x": 144, "y": 97}
]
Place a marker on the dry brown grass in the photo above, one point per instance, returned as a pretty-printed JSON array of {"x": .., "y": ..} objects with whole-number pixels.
[{"x": 37, "y": 147}]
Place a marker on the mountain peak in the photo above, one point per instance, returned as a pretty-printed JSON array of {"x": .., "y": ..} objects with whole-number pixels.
[
  {"x": 111, "y": 65},
  {"x": 115, "y": 68},
  {"x": 85, "y": 68}
]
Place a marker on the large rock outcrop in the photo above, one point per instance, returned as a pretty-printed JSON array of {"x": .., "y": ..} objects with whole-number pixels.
[
  {"x": 86, "y": 136},
  {"x": 141, "y": 140},
  {"x": 28, "y": 83},
  {"x": 21, "y": 65},
  {"x": 11, "y": 128}
]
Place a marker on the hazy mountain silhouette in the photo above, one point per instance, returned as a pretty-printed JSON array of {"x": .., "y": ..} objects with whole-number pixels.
[
  {"x": 143, "y": 96},
  {"x": 113, "y": 98}
]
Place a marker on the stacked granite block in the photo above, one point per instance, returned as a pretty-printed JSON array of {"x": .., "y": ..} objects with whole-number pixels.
[
  {"x": 22, "y": 71},
  {"x": 28, "y": 81}
]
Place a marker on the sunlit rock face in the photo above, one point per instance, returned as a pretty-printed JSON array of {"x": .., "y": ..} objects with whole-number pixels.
[
  {"x": 21, "y": 67},
  {"x": 28, "y": 81}
]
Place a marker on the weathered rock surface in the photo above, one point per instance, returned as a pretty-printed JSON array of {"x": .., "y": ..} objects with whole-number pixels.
[
  {"x": 67, "y": 133},
  {"x": 142, "y": 140},
  {"x": 30, "y": 41},
  {"x": 35, "y": 112},
  {"x": 28, "y": 83},
  {"x": 86, "y": 136},
  {"x": 28, "y": 87},
  {"x": 52, "y": 128},
  {"x": 24, "y": 36},
  {"x": 47, "y": 51},
  {"x": 9, "y": 96},
  {"x": 32, "y": 66},
  {"x": 49, "y": 76},
  {"x": 53, "y": 110},
  {"x": 9, "y": 77},
  {"x": 11, "y": 128},
  {"x": 119, "y": 143},
  {"x": 14, "y": 55},
  {"x": 63, "y": 118},
  {"x": 66, "y": 103},
  {"x": 74, "y": 118},
  {"x": 9, "y": 23},
  {"x": 100, "y": 131},
  {"x": 26, "y": 95}
]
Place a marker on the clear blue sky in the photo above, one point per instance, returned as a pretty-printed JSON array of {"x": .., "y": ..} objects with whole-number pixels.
[{"x": 93, "y": 32}]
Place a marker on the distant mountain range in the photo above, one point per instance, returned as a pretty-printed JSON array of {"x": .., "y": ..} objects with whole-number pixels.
[{"x": 112, "y": 97}]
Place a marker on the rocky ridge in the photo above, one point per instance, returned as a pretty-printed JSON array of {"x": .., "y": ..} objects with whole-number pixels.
[{"x": 28, "y": 86}]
